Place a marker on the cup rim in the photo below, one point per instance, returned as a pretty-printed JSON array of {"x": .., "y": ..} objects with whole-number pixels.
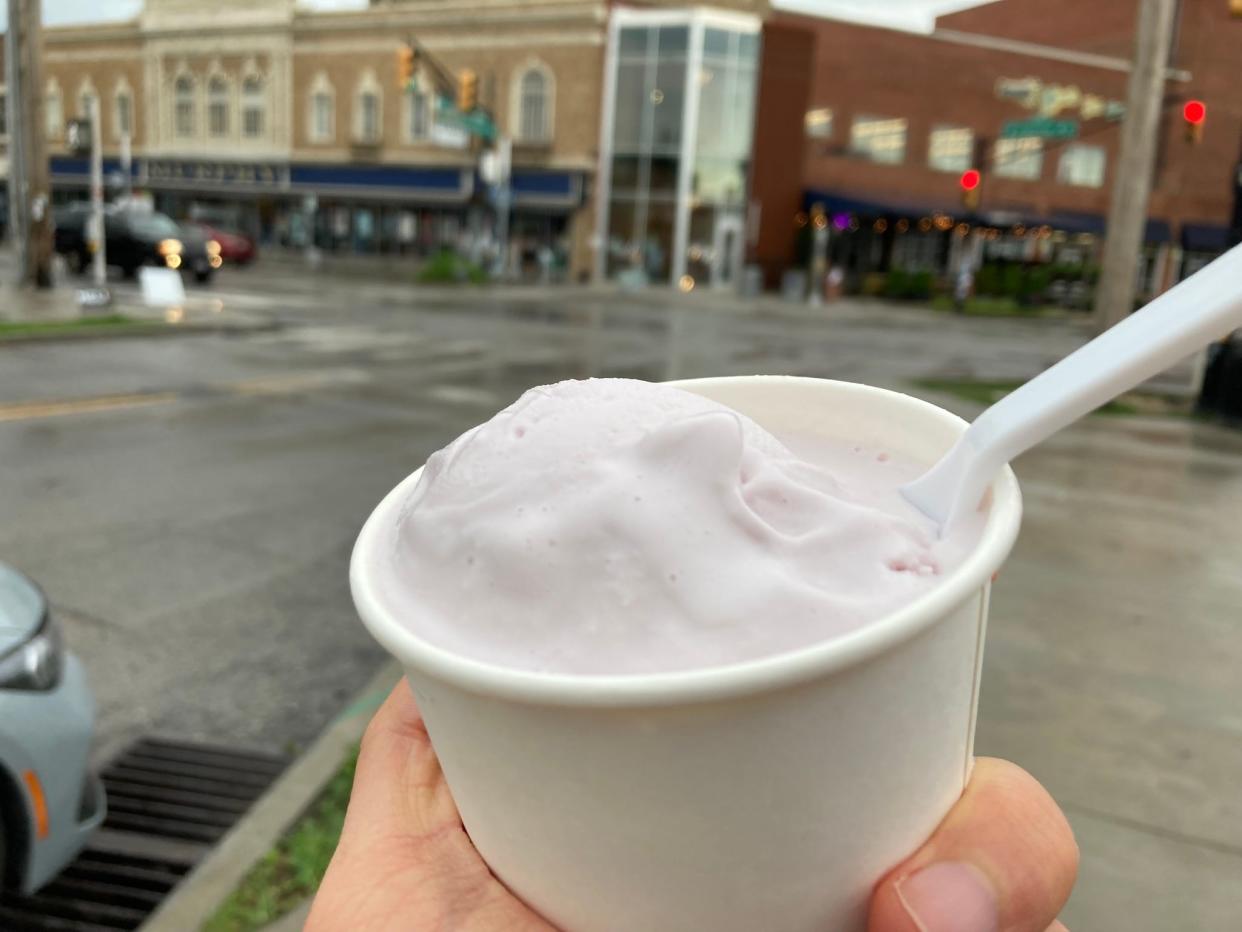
[{"x": 709, "y": 683}]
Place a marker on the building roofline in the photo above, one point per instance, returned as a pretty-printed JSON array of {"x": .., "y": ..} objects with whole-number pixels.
[{"x": 1046, "y": 52}]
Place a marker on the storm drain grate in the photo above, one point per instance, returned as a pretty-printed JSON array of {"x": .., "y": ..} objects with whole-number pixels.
[
  {"x": 168, "y": 803},
  {"x": 101, "y": 891},
  {"x": 192, "y": 792}
]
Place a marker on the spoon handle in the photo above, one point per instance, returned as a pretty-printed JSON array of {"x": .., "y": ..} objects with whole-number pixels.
[{"x": 1203, "y": 308}]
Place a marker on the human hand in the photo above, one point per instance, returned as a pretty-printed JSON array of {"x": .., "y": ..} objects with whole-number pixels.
[{"x": 1003, "y": 860}]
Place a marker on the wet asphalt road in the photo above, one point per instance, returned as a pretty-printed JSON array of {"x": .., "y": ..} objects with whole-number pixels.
[{"x": 193, "y": 530}]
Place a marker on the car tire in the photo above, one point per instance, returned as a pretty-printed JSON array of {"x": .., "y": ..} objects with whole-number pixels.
[{"x": 202, "y": 278}]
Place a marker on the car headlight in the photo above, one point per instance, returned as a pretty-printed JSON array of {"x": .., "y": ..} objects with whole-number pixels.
[
  {"x": 36, "y": 664},
  {"x": 170, "y": 247},
  {"x": 213, "y": 247}
]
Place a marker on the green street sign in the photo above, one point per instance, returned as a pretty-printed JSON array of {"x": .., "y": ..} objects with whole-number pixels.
[
  {"x": 1042, "y": 127},
  {"x": 476, "y": 122}
]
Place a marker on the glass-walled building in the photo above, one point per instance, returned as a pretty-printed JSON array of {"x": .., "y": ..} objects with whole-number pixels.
[{"x": 675, "y": 148}]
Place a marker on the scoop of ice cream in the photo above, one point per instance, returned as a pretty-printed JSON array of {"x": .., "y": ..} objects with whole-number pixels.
[{"x": 618, "y": 526}]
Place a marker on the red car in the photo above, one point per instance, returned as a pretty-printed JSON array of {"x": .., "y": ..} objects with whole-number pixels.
[{"x": 235, "y": 248}]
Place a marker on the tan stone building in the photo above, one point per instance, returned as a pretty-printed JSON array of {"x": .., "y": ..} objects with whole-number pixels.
[{"x": 293, "y": 124}]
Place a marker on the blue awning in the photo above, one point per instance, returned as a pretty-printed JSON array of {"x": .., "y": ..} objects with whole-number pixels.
[
  {"x": 390, "y": 182},
  {"x": 78, "y": 170},
  {"x": 1205, "y": 237},
  {"x": 548, "y": 189}
]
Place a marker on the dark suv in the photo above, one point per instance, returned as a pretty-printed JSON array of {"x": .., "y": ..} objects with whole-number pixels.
[{"x": 135, "y": 238}]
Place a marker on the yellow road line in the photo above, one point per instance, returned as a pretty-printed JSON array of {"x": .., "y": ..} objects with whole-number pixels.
[{"x": 28, "y": 410}]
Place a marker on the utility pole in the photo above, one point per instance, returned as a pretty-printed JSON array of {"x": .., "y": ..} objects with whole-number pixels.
[
  {"x": 29, "y": 202},
  {"x": 1127, "y": 213}
]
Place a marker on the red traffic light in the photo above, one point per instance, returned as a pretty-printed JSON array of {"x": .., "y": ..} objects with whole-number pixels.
[
  {"x": 1195, "y": 112},
  {"x": 971, "y": 179}
]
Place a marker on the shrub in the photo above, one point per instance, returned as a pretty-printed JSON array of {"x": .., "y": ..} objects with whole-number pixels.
[{"x": 448, "y": 268}]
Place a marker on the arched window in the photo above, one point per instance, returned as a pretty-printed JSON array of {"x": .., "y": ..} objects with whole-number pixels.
[
  {"x": 86, "y": 100},
  {"x": 254, "y": 106},
  {"x": 321, "y": 115},
  {"x": 418, "y": 113},
  {"x": 534, "y": 118},
  {"x": 368, "y": 115},
  {"x": 122, "y": 110},
  {"x": 53, "y": 110},
  {"x": 183, "y": 106},
  {"x": 218, "y": 107}
]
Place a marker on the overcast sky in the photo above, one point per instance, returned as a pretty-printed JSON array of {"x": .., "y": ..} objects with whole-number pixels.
[{"x": 900, "y": 14}]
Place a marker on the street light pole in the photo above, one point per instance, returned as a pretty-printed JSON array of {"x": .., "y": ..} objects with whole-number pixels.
[
  {"x": 1127, "y": 213},
  {"x": 99, "y": 262}
]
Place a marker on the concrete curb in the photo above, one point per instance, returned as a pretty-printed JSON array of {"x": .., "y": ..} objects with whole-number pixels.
[
  {"x": 138, "y": 331},
  {"x": 219, "y": 873}
]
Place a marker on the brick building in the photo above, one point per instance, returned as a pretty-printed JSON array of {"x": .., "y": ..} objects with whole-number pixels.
[
  {"x": 291, "y": 123},
  {"x": 891, "y": 119}
]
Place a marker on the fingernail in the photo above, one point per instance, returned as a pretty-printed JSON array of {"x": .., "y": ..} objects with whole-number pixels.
[{"x": 950, "y": 897}]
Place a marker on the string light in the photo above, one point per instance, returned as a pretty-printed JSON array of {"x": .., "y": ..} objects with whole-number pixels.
[
  {"x": 903, "y": 225},
  {"x": 800, "y": 219},
  {"x": 880, "y": 225}
]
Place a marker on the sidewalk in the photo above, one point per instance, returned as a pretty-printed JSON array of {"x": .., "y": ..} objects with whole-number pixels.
[{"x": 201, "y": 311}]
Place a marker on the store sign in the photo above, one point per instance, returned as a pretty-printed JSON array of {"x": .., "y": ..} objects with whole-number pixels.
[
  {"x": 1040, "y": 127},
  {"x": 1052, "y": 100},
  {"x": 215, "y": 173}
]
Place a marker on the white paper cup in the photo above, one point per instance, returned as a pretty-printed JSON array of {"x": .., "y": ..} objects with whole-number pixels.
[{"x": 768, "y": 795}]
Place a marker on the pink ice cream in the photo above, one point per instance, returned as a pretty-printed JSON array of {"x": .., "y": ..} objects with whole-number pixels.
[{"x": 613, "y": 526}]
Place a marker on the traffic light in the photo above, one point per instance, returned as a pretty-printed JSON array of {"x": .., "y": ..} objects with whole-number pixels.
[
  {"x": 405, "y": 66},
  {"x": 467, "y": 90},
  {"x": 970, "y": 183},
  {"x": 1195, "y": 115}
]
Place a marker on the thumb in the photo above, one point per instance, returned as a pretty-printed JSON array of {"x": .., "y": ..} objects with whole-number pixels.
[{"x": 1003, "y": 860}]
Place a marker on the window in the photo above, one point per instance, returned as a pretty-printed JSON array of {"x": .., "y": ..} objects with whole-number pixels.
[
  {"x": 321, "y": 110},
  {"x": 534, "y": 124},
  {"x": 1082, "y": 165},
  {"x": 419, "y": 113},
  {"x": 218, "y": 107},
  {"x": 183, "y": 107},
  {"x": 368, "y": 117},
  {"x": 253, "y": 107},
  {"x": 123, "y": 115},
  {"x": 818, "y": 123},
  {"x": 879, "y": 139},
  {"x": 1019, "y": 158},
  {"x": 323, "y": 116},
  {"x": 53, "y": 115},
  {"x": 949, "y": 149},
  {"x": 86, "y": 101}
]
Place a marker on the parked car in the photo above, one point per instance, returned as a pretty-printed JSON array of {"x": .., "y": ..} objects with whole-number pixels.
[
  {"x": 50, "y": 802},
  {"x": 134, "y": 238},
  {"x": 236, "y": 248}
]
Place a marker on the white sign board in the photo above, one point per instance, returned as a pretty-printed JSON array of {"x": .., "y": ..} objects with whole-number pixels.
[{"x": 161, "y": 287}]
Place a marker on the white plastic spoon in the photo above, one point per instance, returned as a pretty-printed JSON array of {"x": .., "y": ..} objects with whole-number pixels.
[{"x": 1203, "y": 308}]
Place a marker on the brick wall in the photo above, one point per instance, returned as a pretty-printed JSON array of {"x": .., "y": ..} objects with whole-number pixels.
[{"x": 777, "y": 173}]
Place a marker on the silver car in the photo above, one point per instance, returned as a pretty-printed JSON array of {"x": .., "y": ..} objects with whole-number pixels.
[{"x": 50, "y": 802}]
